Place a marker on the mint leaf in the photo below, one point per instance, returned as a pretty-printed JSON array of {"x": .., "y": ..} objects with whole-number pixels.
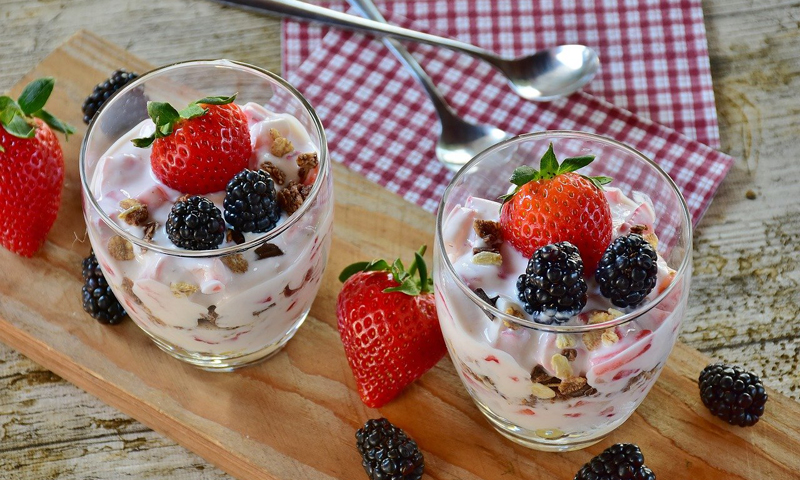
[
  {"x": 144, "y": 142},
  {"x": 36, "y": 94},
  {"x": 548, "y": 166},
  {"x": 523, "y": 175},
  {"x": 192, "y": 111},
  {"x": 575, "y": 163},
  {"x": 19, "y": 127},
  {"x": 217, "y": 100},
  {"x": 54, "y": 122}
]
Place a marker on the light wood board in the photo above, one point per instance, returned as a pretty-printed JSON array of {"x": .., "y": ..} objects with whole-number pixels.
[{"x": 294, "y": 416}]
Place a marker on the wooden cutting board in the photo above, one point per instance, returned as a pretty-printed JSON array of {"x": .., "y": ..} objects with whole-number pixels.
[{"x": 294, "y": 417}]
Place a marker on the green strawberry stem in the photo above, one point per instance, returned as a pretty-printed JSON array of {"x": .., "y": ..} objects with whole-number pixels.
[
  {"x": 166, "y": 117},
  {"x": 16, "y": 117},
  {"x": 550, "y": 168},
  {"x": 407, "y": 282}
]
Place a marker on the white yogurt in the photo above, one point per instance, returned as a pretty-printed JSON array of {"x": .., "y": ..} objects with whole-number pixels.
[
  {"x": 229, "y": 314},
  {"x": 496, "y": 360}
]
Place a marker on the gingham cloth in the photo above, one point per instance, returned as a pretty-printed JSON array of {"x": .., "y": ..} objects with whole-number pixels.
[{"x": 379, "y": 122}]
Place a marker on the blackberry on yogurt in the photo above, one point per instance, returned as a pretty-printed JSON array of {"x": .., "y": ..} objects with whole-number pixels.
[
  {"x": 552, "y": 289},
  {"x": 627, "y": 270},
  {"x": 251, "y": 203},
  {"x": 195, "y": 224}
]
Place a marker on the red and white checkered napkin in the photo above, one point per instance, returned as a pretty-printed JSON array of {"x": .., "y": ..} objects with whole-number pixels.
[{"x": 654, "y": 62}]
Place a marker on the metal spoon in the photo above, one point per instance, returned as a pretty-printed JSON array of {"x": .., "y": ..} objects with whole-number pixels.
[
  {"x": 545, "y": 75},
  {"x": 459, "y": 141}
]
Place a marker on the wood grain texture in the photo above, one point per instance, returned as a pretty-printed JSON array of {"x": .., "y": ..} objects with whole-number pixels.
[{"x": 743, "y": 305}]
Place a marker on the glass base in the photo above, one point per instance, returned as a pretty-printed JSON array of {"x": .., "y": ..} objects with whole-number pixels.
[
  {"x": 229, "y": 363},
  {"x": 545, "y": 440}
]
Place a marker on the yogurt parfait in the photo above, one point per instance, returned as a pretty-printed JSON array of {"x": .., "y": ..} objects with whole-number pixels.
[
  {"x": 211, "y": 218},
  {"x": 560, "y": 294}
]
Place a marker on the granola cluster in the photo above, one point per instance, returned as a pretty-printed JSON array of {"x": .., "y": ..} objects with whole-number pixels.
[{"x": 292, "y": 197}]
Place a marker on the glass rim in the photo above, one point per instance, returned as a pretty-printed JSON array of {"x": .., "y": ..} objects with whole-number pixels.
[
  {"x": 625, "y": 318},
  {"x": 293, "y": 218}
]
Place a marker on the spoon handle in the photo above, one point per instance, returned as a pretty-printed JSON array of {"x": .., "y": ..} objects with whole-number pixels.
[
  {"x": 369, "y": 10},
  {"x": 306, "y": 11}
]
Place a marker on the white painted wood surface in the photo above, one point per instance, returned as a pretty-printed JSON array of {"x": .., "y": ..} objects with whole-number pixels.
[{"x": 746, "y": 291}]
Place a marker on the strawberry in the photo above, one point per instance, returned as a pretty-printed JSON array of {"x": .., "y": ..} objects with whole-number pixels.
[
  {"x": 554, "y": 204},
  {"x": 31, "y": 168},
  {"x": 199, "y": 149},
  {"x": 388, "y": 324}
]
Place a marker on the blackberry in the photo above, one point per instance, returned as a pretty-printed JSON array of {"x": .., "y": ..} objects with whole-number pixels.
[
  {"x": 195, "y": 224},
  {"x": 627, "y": 271},
  {"x": 251, "y": 204},
  {"x": 732, "y": 394},
  {"x": 98, "y": 299},
  {"x": 387, "y": 453},
  {"x": 552, "y": 289},
  {"x": 102, "y": 91},
  {"x": 623, "y": 461}
]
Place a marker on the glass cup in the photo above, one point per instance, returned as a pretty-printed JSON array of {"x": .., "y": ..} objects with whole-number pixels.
[
  {"x": 610, "y": 362},
  {"x": 216, "y": 309}
]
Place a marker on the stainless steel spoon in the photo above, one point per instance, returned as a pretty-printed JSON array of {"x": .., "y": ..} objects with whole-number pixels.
[
  {"x": 459, "y": 141},
  {"x": 545, "y": 75}
]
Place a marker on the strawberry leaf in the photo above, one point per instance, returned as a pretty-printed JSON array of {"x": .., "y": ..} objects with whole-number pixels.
[
  {"x": 144, "y": 142},
  {"x": 409, "y": 286},
  {"x": 162, "y": 113},
  {"x": 19, "y": 127},
  {"x": 424, "y": 281},
  {"x": 524, "y": 174},
  {"x": 35, "y": 95},
  {"x": 399, "y": 272},
  {"x": 166, "y": 117},
  {"x": 217, "y": 100},
  {"x": 5, "y": 101},
  {"x": 8, "y": 110},
  {"x": 548, "y": 166},
  {"x": 192, "y": 111},
  {"x": 373, "y": 266},
  {"x": 407, "y": 283},
  {"x": 54, "y": 122},
  {"x": 598, "y": 181},
  {"x": 575, "y": 163}
]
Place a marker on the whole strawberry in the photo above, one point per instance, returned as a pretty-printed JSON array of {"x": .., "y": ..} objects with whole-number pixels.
[
  {"x": 199, "y": 149},
  {"x": 554, "y": 204},
  {"x": 31, "y": 168},
  {"x": 388, "y": 324}
]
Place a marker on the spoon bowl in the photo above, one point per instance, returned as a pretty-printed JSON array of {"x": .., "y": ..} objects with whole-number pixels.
[
  {"x": 460, "y": 141},
  {"x": 551, "y": 73}
]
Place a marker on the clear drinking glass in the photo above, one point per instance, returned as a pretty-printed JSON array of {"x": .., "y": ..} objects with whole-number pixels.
[
  {"x": 506, "y": 363},
  {"x": 226, "y": 318}
]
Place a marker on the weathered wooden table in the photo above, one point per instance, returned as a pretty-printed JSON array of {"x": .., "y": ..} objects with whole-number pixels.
[{"x": 745, "y": 302}]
